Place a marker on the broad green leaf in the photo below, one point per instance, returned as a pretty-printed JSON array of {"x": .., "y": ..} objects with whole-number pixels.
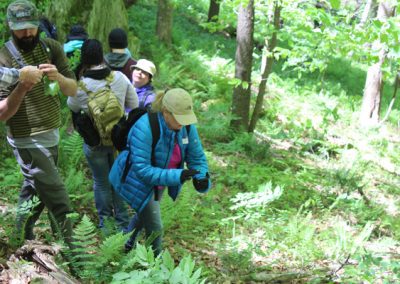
[
  {"x": 121, "y": 276},
  {"x": 335, "y": 4},
  {"x": 168, "y": 261}
]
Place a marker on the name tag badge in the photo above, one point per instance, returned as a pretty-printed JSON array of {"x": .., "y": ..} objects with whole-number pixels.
[{"x": 185, "y": 140}]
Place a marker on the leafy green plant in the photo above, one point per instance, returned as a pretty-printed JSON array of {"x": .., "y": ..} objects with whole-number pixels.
[
  {"x": 71, "y": 150},
  {"x": 158, "y": 270},
  {"x": 3, "y": 23},
  {"x": 247, "y": 144},
  {"x": 85, "y": 247},
  {"x": 301, "y": 239},
  {"x": 101, "y": 261},
  {"x": 371, "y": 267},
  {"x": 251, "y": 205}
]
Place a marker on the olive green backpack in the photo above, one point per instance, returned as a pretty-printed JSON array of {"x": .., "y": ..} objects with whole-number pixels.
[{"x": 104, "y": 109}]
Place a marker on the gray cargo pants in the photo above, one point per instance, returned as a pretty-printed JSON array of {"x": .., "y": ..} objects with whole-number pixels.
[{"x": 42, "y": 179}]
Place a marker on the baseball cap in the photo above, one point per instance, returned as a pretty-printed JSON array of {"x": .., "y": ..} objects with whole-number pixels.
[
  {"x": 178, "y": 102},
  {"x": 22, "y": 14},
  {"x": 145, "y": 65}
]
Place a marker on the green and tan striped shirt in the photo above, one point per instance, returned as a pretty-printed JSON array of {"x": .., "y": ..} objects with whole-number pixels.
[{"x": 37, "y": 113}]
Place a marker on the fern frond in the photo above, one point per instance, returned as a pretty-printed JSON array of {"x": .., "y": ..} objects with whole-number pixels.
[
  {"x": 112, "y": 248},
  {"x": 71, "y": 150},
  {"x": 84, "y": 242},
  {"x": 110, "y": 255}
]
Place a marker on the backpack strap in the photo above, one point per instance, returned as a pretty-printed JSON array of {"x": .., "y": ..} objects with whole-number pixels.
[
  {"x": 155, "y": 131},
  {"x": 110, "y": 79},
  {"x": 83, "y": 87},
  {"x": 15, "y": 53}
]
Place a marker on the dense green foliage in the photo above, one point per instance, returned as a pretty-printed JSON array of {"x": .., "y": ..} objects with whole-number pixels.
[{"x": 308, "y": 198}]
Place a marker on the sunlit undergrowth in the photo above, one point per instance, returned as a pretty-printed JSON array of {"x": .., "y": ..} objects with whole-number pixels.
[
  {"x": 308, "y": 197},
  {"x": 339, "y": 190},
  {"x": 339, "y": 183}
]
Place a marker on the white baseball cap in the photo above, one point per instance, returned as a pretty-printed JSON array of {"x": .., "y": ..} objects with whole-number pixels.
[{"x": 145, "y": 65}]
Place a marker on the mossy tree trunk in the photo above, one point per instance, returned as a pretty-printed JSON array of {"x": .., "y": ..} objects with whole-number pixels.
[
  {"x": 106, "y": 16},
  {"x": 99, "y": 17},
  {"x": 243, "y": 62},
  {"x": 66, "y": 13},
  {"x": 164, "y": 21}
]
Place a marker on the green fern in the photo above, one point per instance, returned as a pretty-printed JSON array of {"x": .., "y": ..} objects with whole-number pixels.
[
  {"x": 142, "y": 267},
  {"x": 110, "y": 255},
  {"x": 83, "y": 254},
  {"x": 185, "y": 205},
  {"x": 71, "y": 150}
]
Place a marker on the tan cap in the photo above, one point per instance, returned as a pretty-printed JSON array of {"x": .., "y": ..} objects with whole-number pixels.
[
  {"x": 179, "y": 103},
  {"x": 145, "y": 65}
]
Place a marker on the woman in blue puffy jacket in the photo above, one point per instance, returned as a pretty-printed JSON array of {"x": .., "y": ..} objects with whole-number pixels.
[{"x": 148, "y": 174}]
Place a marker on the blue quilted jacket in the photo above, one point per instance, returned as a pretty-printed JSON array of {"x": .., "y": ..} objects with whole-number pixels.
[{"x": 137, "y": 187}]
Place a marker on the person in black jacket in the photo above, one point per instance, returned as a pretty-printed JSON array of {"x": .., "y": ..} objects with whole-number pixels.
[{"x": 119, "y": 58}]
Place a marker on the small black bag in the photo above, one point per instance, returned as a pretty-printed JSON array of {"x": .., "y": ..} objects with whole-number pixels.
[
  {"x": 85, "y": 127},
  {"x": 120, "y": 131}
]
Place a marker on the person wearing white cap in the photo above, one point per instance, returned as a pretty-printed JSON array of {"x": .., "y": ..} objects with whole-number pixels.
[
  {"x": 142, "y": 74},
  {"x": 151, "y": 171}
]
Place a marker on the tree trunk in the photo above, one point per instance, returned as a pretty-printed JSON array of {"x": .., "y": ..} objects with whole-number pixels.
[
  {"x": 267, "y": 63},
  {"x": 366, "y": 12},
  {"x": 396, "y": 86},
  {"x": 373, "y": 85},
  {"x": 372, "y": 94},
  {"x": 61, "y": 12},
  {"x": 164, "y": 21},
  {"x": 213, "y": 11},
  {"x": 105, "y": 17},
  {"x": 243, "y": 62}
]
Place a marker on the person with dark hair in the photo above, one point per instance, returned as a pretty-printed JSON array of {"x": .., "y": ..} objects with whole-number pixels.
[
  {"x": 142, "y": 75},
  {"x": 77, "y": 35},
  {"x": 118, "y": 59},
  {"x": 33, "y": 131},
  {"x": 96, "y": 76},
  {"x": 151, "y": 170}
]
